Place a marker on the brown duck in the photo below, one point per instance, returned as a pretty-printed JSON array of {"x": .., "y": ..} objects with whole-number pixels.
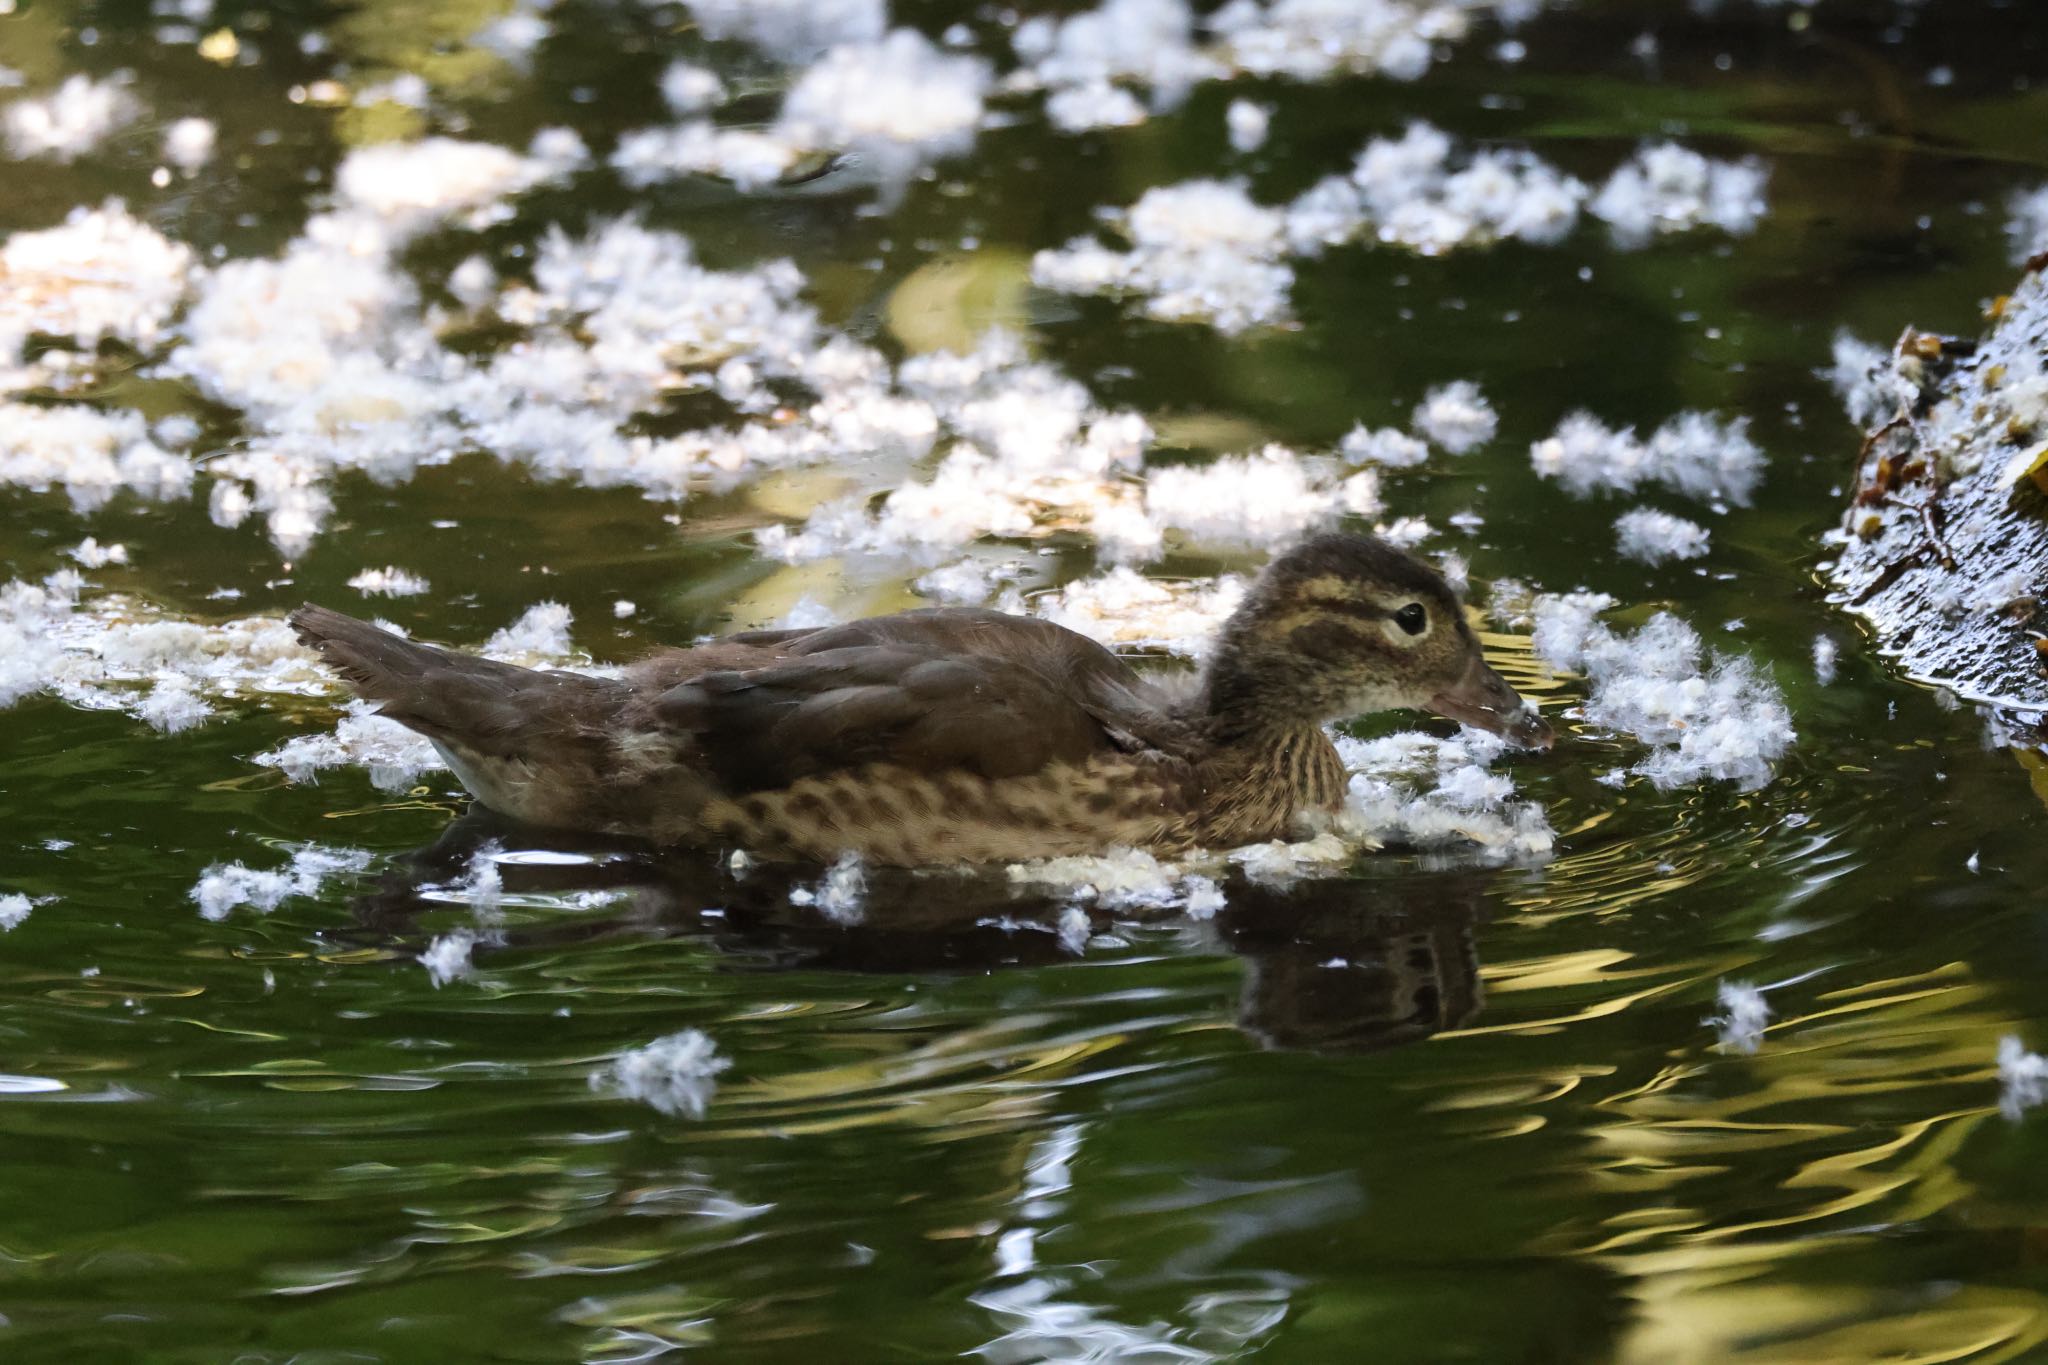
[{"x": 952, "y": 735}]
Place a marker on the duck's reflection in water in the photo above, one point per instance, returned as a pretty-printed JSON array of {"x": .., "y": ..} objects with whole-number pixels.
[{"x": 1335, "y": 964}]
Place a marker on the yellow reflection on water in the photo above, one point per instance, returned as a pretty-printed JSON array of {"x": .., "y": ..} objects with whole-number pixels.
[{"x": 1726, "y": 1263}]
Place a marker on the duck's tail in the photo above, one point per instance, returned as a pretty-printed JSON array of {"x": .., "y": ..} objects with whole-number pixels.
[{"x": 523, "y": 740}]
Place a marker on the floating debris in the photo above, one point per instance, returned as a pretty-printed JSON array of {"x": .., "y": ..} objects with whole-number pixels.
[
  {"x": 1247, "y": 124},
  {"x": 1121, "y": 879},
  {"x": 1125, "y": 608},
  {"x": 1726, "y": 722},
  {"x": 1744, "y": 1016},
  {"x": 2022, "y": 1077},
  {"x": 394, "y": 755},
  {"x": 101, "y": 274},
  {"x": 1203, "y": 251},
  {"x": 1386, "y": 447},
  {"x": 189, "y": 143},
  {"x": 1666, "y": 188},
  {"x": 1200, "y": 251},
  {"x": 1824, "y": 653},
  {"x": 792, "y": 30},
  {"x": 842, "y": 896},
  {"x": 1694, "y": 453},
  {"x": 890, "y": 105},
  {"x": 97, "y": 654},
  {"x": 91, "y": 554},
  {"x": 447, "y": 958},
  {"x": 541, "y": 634},
  {"x": 1654, "y": 537},
  {"x": 1074, "y": 929},
  {"x": 677, "y": 1075},
  {"x": 389, "y": 581},
  {"x": 1456, "y": 417},
  {"x": 2027, "y": 227},
  {"x": 71, "y": 121},
  {"x": 224, "y": 886},
  {"x": 1085, "y": 61}
]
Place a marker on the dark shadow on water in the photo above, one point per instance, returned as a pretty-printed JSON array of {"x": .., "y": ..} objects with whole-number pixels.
[{"x": 1348, "y": 964}]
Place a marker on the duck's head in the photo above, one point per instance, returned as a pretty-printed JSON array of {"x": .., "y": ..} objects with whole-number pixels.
[{"x": 1341, "y": 625}]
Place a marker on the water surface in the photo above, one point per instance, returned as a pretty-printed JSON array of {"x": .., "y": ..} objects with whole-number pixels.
[{"x": 1420, "y": 1113}]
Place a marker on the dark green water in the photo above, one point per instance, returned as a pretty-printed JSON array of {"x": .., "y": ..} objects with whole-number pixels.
[{"x": 1504, "y": 1133}]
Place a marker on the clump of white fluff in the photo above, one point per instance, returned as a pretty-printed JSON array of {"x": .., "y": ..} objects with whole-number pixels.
[
  {"x": 482, "y": 887},
  {"x": 1125, "y": 608},
  {"x": 90, "y": 554},
  {"x": 101, "y": 653},
  {"x": 1122, "y": 879},
  {"x": 1440, "y": 795},
  {"x": 1085, "y": 61},
  {"x": 171, "y": 706},
  {"x": 897, "y": 103},
  {"x": 14, "y": 910},
  {"x": 1204, "y": 251},
  {"x": 889, "y": 104},
  {"x": 1030, "y": 455},
  {"x": 1457, "y": 417},
  {"x": 101, "y": 273},
  {"x": 1313, "y": 40},
  {"x": 389, "y": 581},
  {"x": 224, "y": 886},
  {"x": 1264, "y": 499},
  {"x": 1726, "y": 722},
  {"x": 541, "y": 633},
  {"x": 1667, "y": 188},
  {"x": 1743, "y": 1018},
  {"x": 1867, "y": 380},
  {"x": 687, "y": 88},
  {"x": 1694, "y": 453},
  {"x": 1825, "y": 652},
  {"x": 1414, "y": 191},
  {"x": 189, "y": 143},
  {"x": 1247, "y": 123},
  {"x": 842, "y": 895},
  {"x": 447, "y": 958},
  {"x": 394, "y": 755},
  {"x": 411, "y": 185},
  {"x": 677, "y": 1075},
  {"x": 1200, "y": 250},
  {"x": 2027, "y": 227},
  {"x": 92, "y": 455},
  {"x": 70, "y": 121},
  {"x": 2022, "y": 1077},
  {"x": 1384, "y": 446},
  {"x": 1654, "y": 537},
  {"x": 792, "y": 30}
]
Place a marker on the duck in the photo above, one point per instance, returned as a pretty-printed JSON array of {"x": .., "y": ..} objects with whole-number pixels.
[{"x": 953, "y": 735}]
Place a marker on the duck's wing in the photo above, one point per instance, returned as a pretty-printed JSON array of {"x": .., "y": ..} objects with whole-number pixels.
[{"x": 992, "y": 694}]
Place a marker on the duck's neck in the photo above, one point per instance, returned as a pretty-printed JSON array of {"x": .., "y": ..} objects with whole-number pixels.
[
  {"x": 1262, "y": 772},
  {"x": 1237, "y": 701}
]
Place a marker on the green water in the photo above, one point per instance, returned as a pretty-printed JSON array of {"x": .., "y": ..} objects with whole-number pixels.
[{"x": 1503, "y": 1132}]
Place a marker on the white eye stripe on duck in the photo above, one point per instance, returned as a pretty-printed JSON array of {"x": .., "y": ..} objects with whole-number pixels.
[
  {"x": 1366, "y": 628},
  {"x": 1350, "y": 598}
]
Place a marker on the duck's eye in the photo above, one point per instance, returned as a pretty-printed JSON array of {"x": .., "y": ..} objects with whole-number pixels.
[{"x": 1412, "y": 618}]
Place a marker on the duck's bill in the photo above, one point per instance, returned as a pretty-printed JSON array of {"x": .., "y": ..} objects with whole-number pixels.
[{"x": 1483, "y": 700}]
